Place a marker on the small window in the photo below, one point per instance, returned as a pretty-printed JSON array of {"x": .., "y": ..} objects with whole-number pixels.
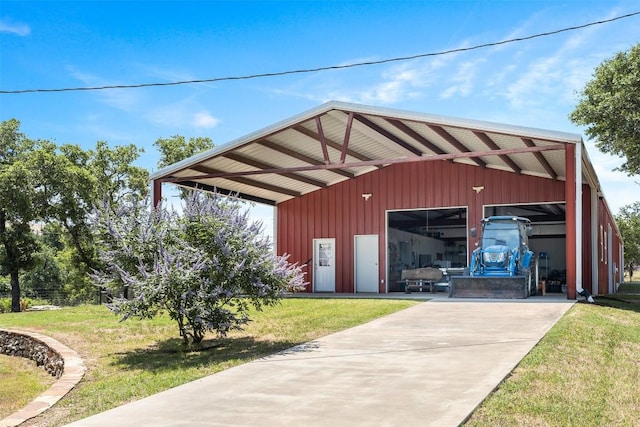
[{"x": 601, "y": 243}]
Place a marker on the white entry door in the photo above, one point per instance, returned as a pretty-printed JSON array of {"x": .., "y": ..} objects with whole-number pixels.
[
  {"x": 366, "y": 263},
  {"x": 324, "y": 265}
]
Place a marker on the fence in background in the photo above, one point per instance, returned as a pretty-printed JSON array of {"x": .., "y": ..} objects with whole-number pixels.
[{"x": 57, "y": 298}]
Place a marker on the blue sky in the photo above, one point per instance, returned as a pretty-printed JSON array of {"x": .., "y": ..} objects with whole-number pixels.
[{"x": 51, "y": 44}]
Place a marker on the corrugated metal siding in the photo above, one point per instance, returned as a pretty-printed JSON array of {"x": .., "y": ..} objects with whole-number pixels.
[
  {"x": 341, "y": 212},
  {"x": 606, "y": 219}
]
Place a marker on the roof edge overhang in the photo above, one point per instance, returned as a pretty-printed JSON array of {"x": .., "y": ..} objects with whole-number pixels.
[{"x": 483, "y": 126}]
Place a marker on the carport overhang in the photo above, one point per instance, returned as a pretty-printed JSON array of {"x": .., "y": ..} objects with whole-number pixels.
[{"x": 339, "y": 141}]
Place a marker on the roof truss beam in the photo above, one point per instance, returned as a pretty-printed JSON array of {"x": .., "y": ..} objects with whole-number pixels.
[
  {"x": 456, "y": 144},
  {"x": 323, "y": 141},
  {"x": 299, "y": 156},
  {"x": 416, "y": 136},
  {"x": 225, "y": 192},
  {"x": 261, "y": 165},
  {"x": 209, "y": 173},
  {"x": 390, "y": 136},
  {"x": 545, "y": 164},
  {"x": 471, "y": 155},
  {"x": 486, "y": 139},
  {"x": 347, "y": 136},
  {"x": 313, "y": 135}
]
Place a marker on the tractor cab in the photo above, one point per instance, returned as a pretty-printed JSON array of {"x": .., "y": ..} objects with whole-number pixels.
[
  {"x": 503, "y": 248},
  {"x": 502, "y": 266}
]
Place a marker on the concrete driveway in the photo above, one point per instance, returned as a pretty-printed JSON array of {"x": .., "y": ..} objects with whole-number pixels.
[{"x": 429, "y": 365}]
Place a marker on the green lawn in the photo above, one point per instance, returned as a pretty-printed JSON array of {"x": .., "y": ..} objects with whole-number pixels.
[
  {"x": 130, "y": 360},
  {"x": 22, "y": 381},
  {"x": 584, "y": 372}
]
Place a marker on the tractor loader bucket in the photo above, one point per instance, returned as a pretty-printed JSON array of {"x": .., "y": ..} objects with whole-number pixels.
[{"x": 488, "y": 287}]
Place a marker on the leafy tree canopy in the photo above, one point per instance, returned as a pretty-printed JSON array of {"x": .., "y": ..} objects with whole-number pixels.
[
  {"x": 177, "y": 148},
  {"x": 628, "y": 221},
  {"x": 610, "y": 108},
  {"x": 43, "y": 183},
  {"x": 19, "y": 206}
]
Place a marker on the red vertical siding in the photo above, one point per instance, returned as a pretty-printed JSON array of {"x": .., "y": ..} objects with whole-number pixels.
[
  {"x": 340, "y": 212},
  {"x": 349, "y": 216},
  {"x": 606, "y": 219}
]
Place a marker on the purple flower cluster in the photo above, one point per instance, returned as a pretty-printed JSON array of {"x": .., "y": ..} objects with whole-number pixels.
[{"x": 205, "y": 267}]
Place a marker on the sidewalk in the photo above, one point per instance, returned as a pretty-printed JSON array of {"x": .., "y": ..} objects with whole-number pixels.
[{"x": 429, "y": 365}]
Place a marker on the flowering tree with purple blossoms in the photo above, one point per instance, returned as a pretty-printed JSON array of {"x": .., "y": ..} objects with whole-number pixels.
[{"x": 205, "y": 267}]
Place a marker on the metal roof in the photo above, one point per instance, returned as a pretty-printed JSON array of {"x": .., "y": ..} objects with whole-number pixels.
[{"x": 338, "y": 141}]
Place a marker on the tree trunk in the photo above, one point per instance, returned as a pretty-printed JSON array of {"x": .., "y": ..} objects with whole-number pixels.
[
  {"x": 15, "y": 283},
  {"x": 15, "y": 292},
  {"x": 88, "y": 261}
]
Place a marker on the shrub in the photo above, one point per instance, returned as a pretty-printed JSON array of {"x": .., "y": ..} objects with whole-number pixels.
[{"x": 205, "y": 267}]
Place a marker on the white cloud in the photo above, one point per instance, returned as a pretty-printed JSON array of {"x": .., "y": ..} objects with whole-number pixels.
[
  {"x": 204, "y": 120},
  {"x": 559, "y": 69},
  {"x": 180, "y": 115},
  {"x": 402, "y": 82},
  {"x": 535, "y": 85},
  {"x": 16, "y": 28},
  {"x": 399, "y": 80},
  {"x": 395, "y": 84},
  {"x": 462, "y": 81}
]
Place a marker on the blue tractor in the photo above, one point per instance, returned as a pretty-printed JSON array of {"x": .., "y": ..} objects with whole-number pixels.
[{"x": 502, "y": 266}]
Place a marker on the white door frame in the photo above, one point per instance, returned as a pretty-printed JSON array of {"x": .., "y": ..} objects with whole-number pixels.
[
  {"x": 369, "y": 267},
  {"x": 324, "y": 265}
]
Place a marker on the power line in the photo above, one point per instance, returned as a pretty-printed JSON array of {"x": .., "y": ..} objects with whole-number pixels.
[{"x": 327, "y": 68}]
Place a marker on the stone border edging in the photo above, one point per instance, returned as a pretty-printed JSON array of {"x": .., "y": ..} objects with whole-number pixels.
[
  {"x": 72, "y": 372},
  {"x": 22, "y": 345}
]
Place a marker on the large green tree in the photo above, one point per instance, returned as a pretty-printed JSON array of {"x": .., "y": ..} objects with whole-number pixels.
[
  {"x": 91, "y": 177},
  {"x": 18, "y": 206},
  {"x": 628, "y": 221},
  {"x": 42, "y": 183},
  {"x": 609, "y": 106}
]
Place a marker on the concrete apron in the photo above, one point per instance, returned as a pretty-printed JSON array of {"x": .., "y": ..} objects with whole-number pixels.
[{"x": 431, "y": 364}]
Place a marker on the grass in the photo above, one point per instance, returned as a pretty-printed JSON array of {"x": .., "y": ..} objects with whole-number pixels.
[
  {"x": 584, "y": 372},
  {"x": 130, "y": 360},
  {"x": 21, "y": 382}
]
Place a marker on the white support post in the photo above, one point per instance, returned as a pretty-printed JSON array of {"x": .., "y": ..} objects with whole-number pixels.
[
  {"x": 579, "y": 220},
  {"x": 275, "y": 229}
]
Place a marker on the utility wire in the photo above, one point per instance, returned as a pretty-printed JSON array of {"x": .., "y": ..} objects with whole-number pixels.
[{"x": 332, "y": 67}]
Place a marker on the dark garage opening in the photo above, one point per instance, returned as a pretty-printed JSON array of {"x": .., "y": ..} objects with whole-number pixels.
[{"x": 425, "y": 238}]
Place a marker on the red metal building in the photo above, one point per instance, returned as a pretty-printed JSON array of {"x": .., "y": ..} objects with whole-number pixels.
[{"x": 360, "y": 193}]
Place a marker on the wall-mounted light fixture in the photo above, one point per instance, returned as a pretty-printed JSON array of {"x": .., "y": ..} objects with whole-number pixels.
[
  {"x": 478, "y": 189},
  {"x": 366, "y": 196}
]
